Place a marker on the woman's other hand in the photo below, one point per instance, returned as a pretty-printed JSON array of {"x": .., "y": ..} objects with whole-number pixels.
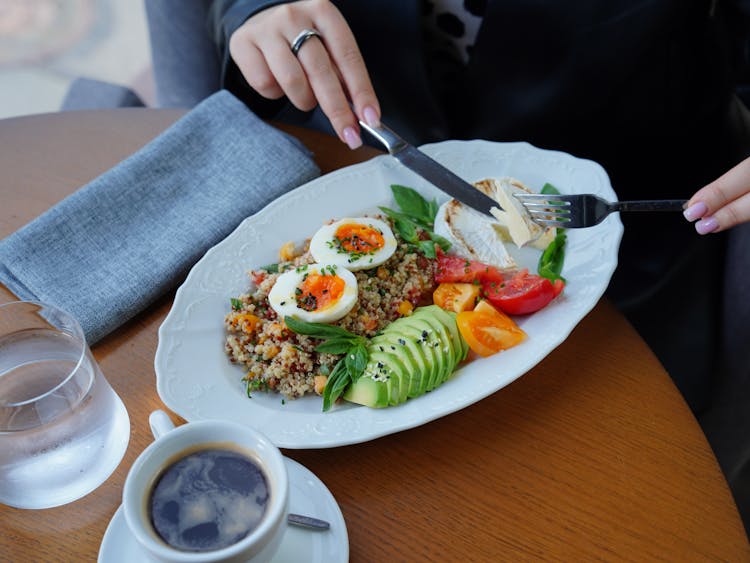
[
  {"x": 723, "y": 203},
  {"x": 328, "y": 70}
]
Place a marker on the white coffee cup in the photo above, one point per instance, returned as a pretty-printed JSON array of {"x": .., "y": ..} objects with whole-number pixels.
[{"x": 171, "y": 444}]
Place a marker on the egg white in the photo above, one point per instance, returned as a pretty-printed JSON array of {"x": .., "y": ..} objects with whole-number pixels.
[
  {"x": 283, "y": 296},
  {"x": 323, "y": 245}
]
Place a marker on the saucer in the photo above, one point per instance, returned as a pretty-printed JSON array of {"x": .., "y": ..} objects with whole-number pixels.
[{"x": 307, "y": 495}]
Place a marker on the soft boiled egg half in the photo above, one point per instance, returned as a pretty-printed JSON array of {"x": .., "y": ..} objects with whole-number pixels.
[
  {"x": 316, "y": 293},
  {"x": 357, "y": 243}
]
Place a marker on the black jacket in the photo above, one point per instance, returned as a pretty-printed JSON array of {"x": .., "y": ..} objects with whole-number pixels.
[{"x": 629, "y": 83}]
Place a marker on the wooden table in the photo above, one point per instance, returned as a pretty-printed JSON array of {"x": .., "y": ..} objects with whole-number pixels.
[{"x": 592, "y": 454}]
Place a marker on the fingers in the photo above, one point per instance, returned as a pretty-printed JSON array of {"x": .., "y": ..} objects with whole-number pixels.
[
  {"x": 289, "y": 73},
  {"x": 254, "y": 68},
  {"x": 730, "y": 215},
  {"x": 347, "y": 58},
  {"x": 329, "y": 92},
  {"x": 328, "y": 71},
  {"x": 723, "y": 203}
]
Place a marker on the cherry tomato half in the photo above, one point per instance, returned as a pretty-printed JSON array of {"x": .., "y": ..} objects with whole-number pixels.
[
  {"x": 487, "y": 330},
  {"x": 456, "y": 297},
  {"x": 455, "y": 269},
  {"x": 522, "y": 294}
]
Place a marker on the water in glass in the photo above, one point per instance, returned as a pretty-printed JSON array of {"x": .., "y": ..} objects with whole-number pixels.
[{"x": 63, "y": 430}]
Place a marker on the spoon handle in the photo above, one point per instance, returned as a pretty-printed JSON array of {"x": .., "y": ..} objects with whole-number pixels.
[{"x": 308, "y": 522}]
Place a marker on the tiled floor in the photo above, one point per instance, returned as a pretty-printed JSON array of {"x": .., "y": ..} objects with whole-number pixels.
[{"x": 45, "y": 44}]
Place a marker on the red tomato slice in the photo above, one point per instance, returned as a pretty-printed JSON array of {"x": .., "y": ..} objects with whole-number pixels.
[
  {"x": 522, "y": 294},
  {"x": 451, "y": 269}
]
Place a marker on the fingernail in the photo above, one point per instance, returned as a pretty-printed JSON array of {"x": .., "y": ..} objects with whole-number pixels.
[
  {"x": 352, "y": 138},
  {"x": 707, "y": 225},
  {"x": 695, "y": 211},
  {"x": 371, "y": 117}
]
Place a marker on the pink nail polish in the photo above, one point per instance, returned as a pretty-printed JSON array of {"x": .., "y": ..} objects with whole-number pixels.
[
  {"x": 695, "y": 211},
  {"x": 371, "y": 117},
  {"x": 351, "y": 138},
  {"x": 706, "y": 225}
]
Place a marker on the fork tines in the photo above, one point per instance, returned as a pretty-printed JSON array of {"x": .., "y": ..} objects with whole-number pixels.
[{"x": 550, "y": 210}]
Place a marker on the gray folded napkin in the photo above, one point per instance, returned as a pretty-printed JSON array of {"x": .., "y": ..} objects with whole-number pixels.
[{"x": 114, "y": 246}]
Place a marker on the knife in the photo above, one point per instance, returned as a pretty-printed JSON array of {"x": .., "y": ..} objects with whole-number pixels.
[{"x": 431, "y": 170}]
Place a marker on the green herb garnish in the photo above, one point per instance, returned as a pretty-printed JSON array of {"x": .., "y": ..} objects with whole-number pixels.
[
  {"x": 551, "y": 261},
  {"x": 414, "y": 205},
  {"x": 236, "y": 304},
  {"x": 270, "y": 268},
  {"x": 336, "y": 341},
  {"x": 255, "y": 385},
  {"x": 416, "y": 214}
]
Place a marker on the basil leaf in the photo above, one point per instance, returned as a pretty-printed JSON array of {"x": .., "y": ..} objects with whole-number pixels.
[
  {"x": 407, "y": 221},
  {"x": 317, "y": 330},
  {"x": 549, "y": 189},
  {"x": 428, "y": 248},
  {"x": 356, "y": 360},
  {"x": 443, "y": 243},
  {"x": 406, "y": 230},
  {"x": 336, "y": 345},
  {"x": 551, "y": 261},
  {"x": 335, "y": 385},
  {"x": 414, "y": 205}
]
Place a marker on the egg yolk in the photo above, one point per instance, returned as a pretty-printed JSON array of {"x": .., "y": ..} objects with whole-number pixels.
[
  {"x": 318, "y": 292},
  {"x": 355, "y": 238}
]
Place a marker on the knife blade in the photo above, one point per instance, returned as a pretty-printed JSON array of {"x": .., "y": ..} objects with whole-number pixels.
[{"x": 431, "y": 170}]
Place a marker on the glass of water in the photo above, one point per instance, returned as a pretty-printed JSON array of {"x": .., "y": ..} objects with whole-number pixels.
[{"x": 63, "y": 429}]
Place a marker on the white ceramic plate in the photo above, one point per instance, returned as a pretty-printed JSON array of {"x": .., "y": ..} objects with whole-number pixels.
[{"x": 196, "y": 380}]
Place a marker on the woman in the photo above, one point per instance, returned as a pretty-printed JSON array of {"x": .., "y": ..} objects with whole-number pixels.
[{"x": 646, "y": 88}]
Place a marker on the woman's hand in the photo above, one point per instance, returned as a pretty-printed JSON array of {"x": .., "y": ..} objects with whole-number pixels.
[
  {"x": 328, "y": 70},
  {"x": 723, "y": 203}
]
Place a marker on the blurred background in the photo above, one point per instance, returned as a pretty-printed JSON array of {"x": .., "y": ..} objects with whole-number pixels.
[{"x": 46, "y": 44}]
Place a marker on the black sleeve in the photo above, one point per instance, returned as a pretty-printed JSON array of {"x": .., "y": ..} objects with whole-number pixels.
[{"x": 225, "y": 16}]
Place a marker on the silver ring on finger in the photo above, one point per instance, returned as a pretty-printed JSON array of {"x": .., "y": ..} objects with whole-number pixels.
[{"x": 303, "y": 36}]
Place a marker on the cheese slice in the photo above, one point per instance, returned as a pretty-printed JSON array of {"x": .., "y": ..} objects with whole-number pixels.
[{"x": 514, "y": 218}]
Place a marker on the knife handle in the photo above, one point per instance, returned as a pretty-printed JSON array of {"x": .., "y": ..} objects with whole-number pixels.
[{"x": 385, "y": 136}]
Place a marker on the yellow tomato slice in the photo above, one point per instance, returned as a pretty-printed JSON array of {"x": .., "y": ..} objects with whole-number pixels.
[
  {"x": 487, "y": 330},
  {"x": 456, "y": 297}
]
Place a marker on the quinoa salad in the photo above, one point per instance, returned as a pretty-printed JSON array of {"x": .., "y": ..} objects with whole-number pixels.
[{"x": 275, "y": 358}]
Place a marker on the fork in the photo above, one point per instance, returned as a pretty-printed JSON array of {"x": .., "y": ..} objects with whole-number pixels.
[{"x": 585, "y": 210}]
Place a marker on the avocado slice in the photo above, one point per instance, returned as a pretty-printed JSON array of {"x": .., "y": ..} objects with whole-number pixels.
[
  {"x": 396, "y": 373},
  {"x": 404, "y": 329},
  {"x": 429, "y": 345},
  {"x": 443, "y": 346},
  {"x": 381, "y": 369},
  {"x": 449, "y": 320},
  {"x": 405, "y": 350},
  {"x": 368, "y": 392}
]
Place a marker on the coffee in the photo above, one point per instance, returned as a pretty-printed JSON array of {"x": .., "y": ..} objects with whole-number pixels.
[{"x": 208, "y": 499}]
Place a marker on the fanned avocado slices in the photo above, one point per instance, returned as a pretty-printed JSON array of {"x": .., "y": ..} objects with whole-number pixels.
[{"x": 411, "y": 356}]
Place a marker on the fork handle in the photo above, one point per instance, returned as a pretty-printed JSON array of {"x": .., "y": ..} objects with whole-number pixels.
[{"x": 651, "y": 205}]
